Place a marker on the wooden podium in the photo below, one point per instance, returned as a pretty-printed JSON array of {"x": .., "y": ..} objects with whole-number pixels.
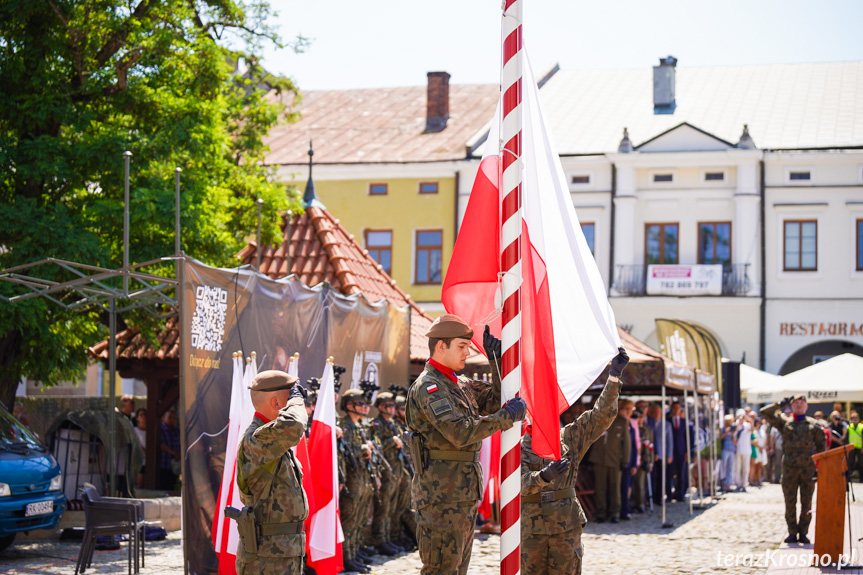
[{"x": 830, "y": 508}]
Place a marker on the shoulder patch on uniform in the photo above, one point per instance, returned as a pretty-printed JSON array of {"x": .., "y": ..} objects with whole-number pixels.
[
  {"x": 432, "y": 388},
  {"x": 440, "y": 406}
]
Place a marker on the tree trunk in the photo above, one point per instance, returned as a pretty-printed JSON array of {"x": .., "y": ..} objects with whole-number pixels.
[{"x": 10, "y": 370}]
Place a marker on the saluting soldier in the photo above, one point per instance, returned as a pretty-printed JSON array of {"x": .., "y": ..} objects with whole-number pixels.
[
  {"x": 552, "y": 519},
  {"x": 449, "y": 416},
  {"x": 355, "y": 503},
  {"x": 271, "y": 479},
  {"x": 386, "y": 435},
  {"x": 403, "y": 527},
  {"x": 801, "y": 438}
]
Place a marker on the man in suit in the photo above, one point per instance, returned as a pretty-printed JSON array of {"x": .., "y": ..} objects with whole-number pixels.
[{"x": 678, "y": 474}]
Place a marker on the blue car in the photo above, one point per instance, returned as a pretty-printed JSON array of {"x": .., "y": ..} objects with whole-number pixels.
[{"x": 31, "y": 484}]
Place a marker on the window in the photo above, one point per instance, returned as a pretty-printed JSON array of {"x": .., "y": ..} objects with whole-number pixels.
[
  {"x": 663, "y": 177},
  {"x": 799, "y": 176},
  {"x": 714, "y": 243},
  {"x": 428, "y": 187},
  {"x": 714, "y": 176},
  {"x": 428, "y": 256},
  {"x": 859, "y": 245},
  {"x": 380, "y": 246},
  {"x": 801, "y": 245},
  {"x": 581, "y": 179},
  {"x": 377, "y": 189},
  {"x": 660, "y": 245},
  {"x": 589, "y": 230}
]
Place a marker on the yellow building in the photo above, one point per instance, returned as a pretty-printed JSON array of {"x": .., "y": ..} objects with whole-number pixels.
[{"x": 389, "y": 163}]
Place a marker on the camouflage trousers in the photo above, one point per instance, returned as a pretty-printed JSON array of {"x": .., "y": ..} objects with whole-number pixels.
[
  {"x": 355, "y": 508},
  {"x": 552, "y": 554},
  {"x": 607, "y": 487},
  {"x": 385, "y": 505},
  {"x": 253, "y": 565},
  {"x": 445, "y": 536},
  {"x": 794, "y": 479},
  {"x": 404, "y": 521}
]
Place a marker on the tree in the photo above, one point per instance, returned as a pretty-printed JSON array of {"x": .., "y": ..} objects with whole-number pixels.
[{"x": 177, "y": 83}]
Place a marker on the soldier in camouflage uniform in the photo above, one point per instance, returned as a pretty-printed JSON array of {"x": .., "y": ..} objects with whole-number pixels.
[
  {"x": 801, "y": 438},
  {"x": 271, "y": 479},
  {"x": 404, "y": 523},
  {"x": 610, "y": 457},
  {"x": 449, "y": 416},
  {"x": 355, "y": 502},
  {"x": 386, "y": 436},
  {"x": 552, "y": 519}
]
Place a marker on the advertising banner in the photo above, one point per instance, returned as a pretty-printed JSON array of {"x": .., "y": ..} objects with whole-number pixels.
[
  {"x": 684, "y": 280},
  {"x": 230, "y": 310}
]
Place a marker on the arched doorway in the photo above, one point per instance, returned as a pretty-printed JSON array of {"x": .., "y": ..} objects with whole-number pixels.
[{"x": 813, "y": 353}]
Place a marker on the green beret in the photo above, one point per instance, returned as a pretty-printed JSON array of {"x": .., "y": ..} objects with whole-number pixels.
[{"x": 272, "y": 380}]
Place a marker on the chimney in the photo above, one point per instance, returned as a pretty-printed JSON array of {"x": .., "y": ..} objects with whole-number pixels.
[
  {"x": 437, "y": 104},
  {"x": 663, "y": 86}
]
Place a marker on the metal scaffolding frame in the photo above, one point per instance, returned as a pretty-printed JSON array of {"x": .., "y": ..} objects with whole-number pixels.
[{"x": 90, "y": 287}]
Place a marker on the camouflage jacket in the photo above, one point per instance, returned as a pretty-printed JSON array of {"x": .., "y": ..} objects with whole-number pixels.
[
  {"x": 271, "y": 479},
  {"x": 451, "y": 417},
  {"x": 384, "y": 433},
  {"x": 552, "y": 517},
  {"x": 800, "y": 439},
  {"x": 355, "y": 438}
]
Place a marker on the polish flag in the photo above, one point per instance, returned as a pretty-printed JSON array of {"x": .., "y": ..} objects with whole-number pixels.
[
  {"x": 240, "y": 415},
  {"x": 568, "y": 332},
  {"x": 325, "y": 532},
  {"x": 489, "y": 460}
]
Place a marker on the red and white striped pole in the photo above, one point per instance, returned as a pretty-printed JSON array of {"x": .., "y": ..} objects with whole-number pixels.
[{"x": 510, "y": 243}]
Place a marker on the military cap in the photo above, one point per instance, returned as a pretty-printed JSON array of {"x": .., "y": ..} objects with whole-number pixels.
[
  {"x": 385, "y": 396},
  {"x": 351, "y": 395},
  {"x": 272, "y": 380},
  {"x": 449, "y": 325},
  {"x": 800, "y": 396}
]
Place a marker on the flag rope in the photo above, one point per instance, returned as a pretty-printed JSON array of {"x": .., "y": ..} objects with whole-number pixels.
[{"x": 510, "y": 243}]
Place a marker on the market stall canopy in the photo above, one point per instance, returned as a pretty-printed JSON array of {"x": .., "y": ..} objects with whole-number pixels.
[
  {"x": 839, "y": 378},
  {"x": 754, "y": 382}
]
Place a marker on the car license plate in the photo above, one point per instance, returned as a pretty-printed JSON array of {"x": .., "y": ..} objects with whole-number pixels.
[{"x": 39, "y": 508}]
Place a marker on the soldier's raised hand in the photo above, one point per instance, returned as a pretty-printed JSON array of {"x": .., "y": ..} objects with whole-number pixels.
[
  {"x": 554, "y": 469},
  {"x": 618, "y": 363},
  {"x": 490, "y": 344},
  {"x": 516, "y": 407},
  {"x": 786, "y": 401},
  {"x": 298, "y": 391}
]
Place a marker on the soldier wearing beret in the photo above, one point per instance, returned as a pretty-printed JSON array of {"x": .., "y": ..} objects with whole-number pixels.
[
  {"x": 801, "y": 438},
  {"x": 449, "y": 416},
  {"x": 386, "y": 435},
  {"x": 271, "y": 479},
  {"x": 355, "y": 502},
  {"x": 552, "y": 519}
]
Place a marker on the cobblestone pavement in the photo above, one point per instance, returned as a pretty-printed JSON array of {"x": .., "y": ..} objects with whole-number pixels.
[{"x": 741, "y": 523}]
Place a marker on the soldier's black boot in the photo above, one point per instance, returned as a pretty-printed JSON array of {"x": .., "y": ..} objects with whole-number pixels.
[
  {"x": 801, "y": 538},
  {"x": 792, "y": 538},
  {"x": 384, "y": 549}
]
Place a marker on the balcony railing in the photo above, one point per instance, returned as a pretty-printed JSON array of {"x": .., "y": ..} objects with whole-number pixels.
[{"x": 631, "y": 280}]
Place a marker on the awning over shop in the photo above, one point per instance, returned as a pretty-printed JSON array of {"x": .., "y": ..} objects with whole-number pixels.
[{"x": 839, "y": 378}]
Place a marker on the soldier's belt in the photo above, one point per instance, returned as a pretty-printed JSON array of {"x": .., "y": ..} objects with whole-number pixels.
[
  {"x": 549, "y": 496},
  {"x": 292, "y": 528},
  {"x": 472, "y": 456}
]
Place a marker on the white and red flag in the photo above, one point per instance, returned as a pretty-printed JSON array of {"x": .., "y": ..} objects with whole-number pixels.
[
  {"x": 568, "y": 332},
  {"x": 489, "y": 459},
  {"x": 325, "y": 530},
  {"x": 240, "y": 415}
]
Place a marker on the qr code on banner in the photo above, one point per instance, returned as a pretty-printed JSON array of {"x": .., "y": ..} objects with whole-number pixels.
[{"x": 208, "y": 321}]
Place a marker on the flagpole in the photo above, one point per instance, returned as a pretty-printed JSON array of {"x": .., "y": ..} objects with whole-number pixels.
[{"x": 510, "y": 243}]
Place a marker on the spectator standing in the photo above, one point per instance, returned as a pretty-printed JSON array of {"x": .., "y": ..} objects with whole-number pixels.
[
  {"x": 661, "y": 448},
  {"x": 743, "y": 443},
  {"x": 610, "y": 456},
  {"x": 169, "y": 456},
  {"x": 678, "y": 477},
  {"x": 634, "y": 460},
  {"x": 774, "y": 454},
  {"x": 758, "y": 458},
  {"x": 141, "y": 434},
  {"x": 855, "y": 438},
  {"x": 729, "y": 448},
  {"x": 127, "y": 408},
  {"x": 838, "y": 429},
  {"x": 639, "y": 486}
]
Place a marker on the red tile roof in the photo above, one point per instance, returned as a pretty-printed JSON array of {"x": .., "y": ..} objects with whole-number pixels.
[
  {"x": 131, "y": 345},
  {"x": 380, "y": 125},
  {"x": 318, "y": 248}
]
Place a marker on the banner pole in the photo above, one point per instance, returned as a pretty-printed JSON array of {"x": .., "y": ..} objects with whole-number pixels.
[{"x": 510, "y": 244}]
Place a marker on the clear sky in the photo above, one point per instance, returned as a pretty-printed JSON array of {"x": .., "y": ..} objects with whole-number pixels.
[{"x": 379, "y": 43}]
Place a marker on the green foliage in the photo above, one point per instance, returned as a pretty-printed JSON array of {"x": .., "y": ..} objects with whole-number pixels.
[{"x": 82, "y": 81}]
